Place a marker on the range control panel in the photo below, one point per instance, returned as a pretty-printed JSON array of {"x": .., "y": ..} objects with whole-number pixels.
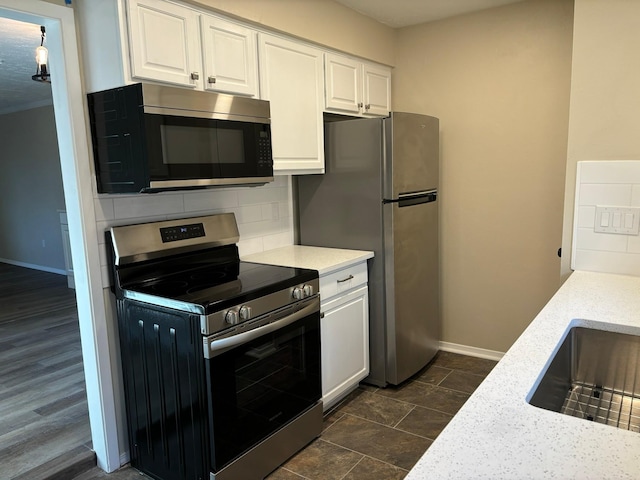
[{"x": 182, "y": 232}]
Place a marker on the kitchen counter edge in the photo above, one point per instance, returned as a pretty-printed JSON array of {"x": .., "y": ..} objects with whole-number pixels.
[{"x": 324, "y": 260}]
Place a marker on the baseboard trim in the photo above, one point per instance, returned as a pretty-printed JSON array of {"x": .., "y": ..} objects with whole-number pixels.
[
  {"x": 471, "y": 351},
  {"x": 34, "y": 267}
]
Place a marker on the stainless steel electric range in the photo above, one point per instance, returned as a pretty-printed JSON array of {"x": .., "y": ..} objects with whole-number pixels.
[{"x": 220, "y": 358}]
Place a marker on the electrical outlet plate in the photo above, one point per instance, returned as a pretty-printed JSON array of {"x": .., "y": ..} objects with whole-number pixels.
[{"x": 619, "y": 220}]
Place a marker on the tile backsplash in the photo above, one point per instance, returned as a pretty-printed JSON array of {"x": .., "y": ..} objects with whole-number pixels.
[
  {"x": 264, "y": 214},
  {"x": 605, "y": 184}
]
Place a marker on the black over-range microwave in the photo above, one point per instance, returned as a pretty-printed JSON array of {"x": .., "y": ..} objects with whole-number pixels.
[{"x": 150, "y": 138}]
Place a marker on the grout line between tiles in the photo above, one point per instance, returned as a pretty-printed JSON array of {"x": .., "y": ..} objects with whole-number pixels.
[
  {"x": 368, "y": 456},
  {"x": 351, "y": 469},
  {"x": 407, "y": 414}
]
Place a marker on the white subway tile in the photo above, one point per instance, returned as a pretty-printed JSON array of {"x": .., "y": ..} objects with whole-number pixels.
[
  {"x": 263, "y": 228},
  {"x": 249, "y": 196},
  {"x": 278, "y": 240},
  {"x": 271, "y": 211},
  {"x": 148, "y": 205},
  {"x": 635, "y": 195},
  {"x": 249, "y": 214},
  {"x": 104, "y": 208},
  {"x": 210, "y": 200},
  {"x": 604, "y": 194},
  {"x": 609, "y": 171},
  {"x": 610, "y": 242},
  {"x": 250, "y": 245},
  {"x": 607, "y": 262},
  {"x": 633, "y": 244},
  {"x": 586, "y": 217}
]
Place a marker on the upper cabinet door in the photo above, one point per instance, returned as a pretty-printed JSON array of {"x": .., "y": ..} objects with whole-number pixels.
[
  {"x": 230, "y": 57},
  {"x": 291, "y": 78},
  {"x": 164, "y": 43},
  {"x": 377, "y": 90},
  {"x": 343, "y": 83}
]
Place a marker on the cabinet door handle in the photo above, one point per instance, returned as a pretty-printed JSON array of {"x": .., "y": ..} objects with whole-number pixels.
[
  {"x": 195, "y": 75},
  {"x": 211, "y": 79},
  {"x": 360, "y": 105},
  {"x": 367, "y": 106},
  {"x": 350, "y": 277}
]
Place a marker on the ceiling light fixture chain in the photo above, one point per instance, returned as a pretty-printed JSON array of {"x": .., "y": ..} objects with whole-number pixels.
[{"x": 42, "y": 56}]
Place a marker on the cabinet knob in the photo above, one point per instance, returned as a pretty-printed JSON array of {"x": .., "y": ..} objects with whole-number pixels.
[
  {"x": 211, "y": 79},
  {"x": 360, "y": 105},
  {"x": 367, "y": 106},
  {"x": 195, "y": 75}
]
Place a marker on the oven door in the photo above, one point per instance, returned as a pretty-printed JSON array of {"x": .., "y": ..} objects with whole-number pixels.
[
  {"x": 189, "y": 150},
  {"x": 262, "y": 377}
]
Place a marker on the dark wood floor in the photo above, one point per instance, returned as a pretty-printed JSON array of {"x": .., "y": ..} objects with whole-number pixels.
[{"x": 44, "y": 423}]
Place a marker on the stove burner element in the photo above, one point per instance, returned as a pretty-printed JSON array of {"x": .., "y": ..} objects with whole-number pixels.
[
  {"x": 210, "y": 276},
  {"x": 167, "y": 287}
]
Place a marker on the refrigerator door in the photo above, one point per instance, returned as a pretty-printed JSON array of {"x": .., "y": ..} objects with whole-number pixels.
[
  {"x": 412, "y": 286},
  {"x": 411, "y": 154},
  {"x": 410, "y": 222}
]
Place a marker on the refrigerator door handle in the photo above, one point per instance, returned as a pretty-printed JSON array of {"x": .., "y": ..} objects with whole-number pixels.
[{"x": 414, "y": 198}]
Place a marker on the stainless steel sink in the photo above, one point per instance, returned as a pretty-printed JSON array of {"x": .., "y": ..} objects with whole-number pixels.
[{"x": 595, "y": 375}]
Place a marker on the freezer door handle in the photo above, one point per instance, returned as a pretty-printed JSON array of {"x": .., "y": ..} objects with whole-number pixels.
[{"x": 414, "y": 198}]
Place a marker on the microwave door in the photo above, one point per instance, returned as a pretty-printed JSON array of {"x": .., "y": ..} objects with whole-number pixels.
[{"x": 183, "y": 150}]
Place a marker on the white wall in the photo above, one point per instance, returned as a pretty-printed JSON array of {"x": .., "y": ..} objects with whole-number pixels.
[{"x": 31, "y": 190}]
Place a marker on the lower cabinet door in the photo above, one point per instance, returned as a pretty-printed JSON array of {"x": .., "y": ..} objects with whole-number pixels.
[{"x": 345, "y": 344}]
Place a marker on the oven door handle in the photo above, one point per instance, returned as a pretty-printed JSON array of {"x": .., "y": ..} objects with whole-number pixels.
[{"x": 216, "y": 347}]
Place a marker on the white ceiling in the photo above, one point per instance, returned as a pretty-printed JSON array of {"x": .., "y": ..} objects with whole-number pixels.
[
  {"x": 18, "y": 41},
  {"x": 402, "y": 13}
]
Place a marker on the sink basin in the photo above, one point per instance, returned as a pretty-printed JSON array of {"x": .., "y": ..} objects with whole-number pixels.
[{"x": 595, "y": 376}]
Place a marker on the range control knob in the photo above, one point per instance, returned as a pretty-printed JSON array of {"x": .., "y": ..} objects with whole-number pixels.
[
  {"x": 303, "y": 291},
  {"x": 298, "y": 293},
  {"x": 231, "y": 317},
  {"x": 245, "y": 312}
]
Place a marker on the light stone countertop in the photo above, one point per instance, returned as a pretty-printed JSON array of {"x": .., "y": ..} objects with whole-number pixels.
[
  {"x": 498, "y": 435},
  {"x": 325, "y": 260}
]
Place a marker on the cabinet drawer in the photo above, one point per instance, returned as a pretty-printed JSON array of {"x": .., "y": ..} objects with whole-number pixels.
[{"x": 343, "y": 280}]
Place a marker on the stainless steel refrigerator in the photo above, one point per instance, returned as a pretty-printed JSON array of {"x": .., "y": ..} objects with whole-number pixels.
[{"x": 380, "y": 193}]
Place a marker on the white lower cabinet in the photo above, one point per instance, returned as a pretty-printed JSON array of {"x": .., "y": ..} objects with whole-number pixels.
[{"x": 344, "y": 327}]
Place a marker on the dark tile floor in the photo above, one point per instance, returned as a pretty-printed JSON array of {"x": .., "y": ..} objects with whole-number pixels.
[
  {"x": 377, "y": 433},
  {"x": 382, "y": 432}
]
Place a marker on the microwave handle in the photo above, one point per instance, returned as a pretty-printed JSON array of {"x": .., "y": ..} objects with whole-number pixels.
[{"x": 216, "y": 347}]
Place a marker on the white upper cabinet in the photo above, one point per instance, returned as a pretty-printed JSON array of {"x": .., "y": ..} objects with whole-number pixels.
[
  {"x": 343, "y": 83},
  {"x": 376, "y": 90},
  {"x": 230, "y": 57},
  {"x": 164, "y": 43},
  {"x": 291, "y": 78},
  {"x": 355, "y": 87}
]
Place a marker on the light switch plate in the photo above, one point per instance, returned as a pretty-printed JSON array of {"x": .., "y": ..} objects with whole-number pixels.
[{"x": 620, "y": 220}]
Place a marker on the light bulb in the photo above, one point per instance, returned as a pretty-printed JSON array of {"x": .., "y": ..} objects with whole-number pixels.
[{"x": 42, "y": 55}]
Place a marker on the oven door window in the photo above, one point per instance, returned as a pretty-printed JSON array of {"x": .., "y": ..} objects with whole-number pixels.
[
  {"x": 260, "y": 386},
  {"x": 183, "y": 148}
]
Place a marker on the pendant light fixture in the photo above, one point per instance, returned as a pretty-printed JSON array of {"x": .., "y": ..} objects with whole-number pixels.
[{"x": 42, "y": 56}]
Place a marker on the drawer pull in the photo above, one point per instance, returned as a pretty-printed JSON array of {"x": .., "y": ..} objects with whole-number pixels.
[{"x": 350, "y": 277}]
